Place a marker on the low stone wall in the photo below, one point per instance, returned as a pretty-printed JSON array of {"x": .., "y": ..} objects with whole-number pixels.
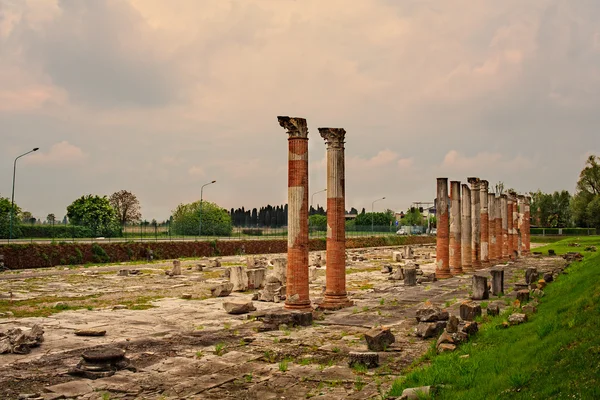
[{"x": 21, "y": 256}]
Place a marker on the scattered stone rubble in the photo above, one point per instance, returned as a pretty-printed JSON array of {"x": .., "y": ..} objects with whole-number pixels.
[
  {"x": 379, "y": 339},
  {"x": 101, "y": 363},
  {"x": 17, "y": 341}
]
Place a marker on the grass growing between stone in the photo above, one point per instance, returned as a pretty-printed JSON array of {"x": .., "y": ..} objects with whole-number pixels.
[{"x": 554, "y": 355}]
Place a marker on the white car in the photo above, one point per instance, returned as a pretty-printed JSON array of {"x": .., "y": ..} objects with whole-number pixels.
[{"x": 401, "y": 231}]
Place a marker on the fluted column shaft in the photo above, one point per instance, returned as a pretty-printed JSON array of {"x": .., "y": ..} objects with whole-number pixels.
[
  {"x": 475, "y": 223},
  {"x": 485, "y": 231},
  {"x": 527, "y": 225},
  {"x": 504, "y": 214},
  {"x": 335, "y": 285},
  {"x": 498, "y": 227},
  {"x": 442, "y": 253},
  {"x": 297, "y": 295},
  {"x": 492, "y": 227},
  {"x": 455, "y": 258},
  {"x": 465, "y": 229}
]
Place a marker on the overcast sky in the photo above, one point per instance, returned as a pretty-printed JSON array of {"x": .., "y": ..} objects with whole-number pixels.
[{"x": 159, "y": 97}]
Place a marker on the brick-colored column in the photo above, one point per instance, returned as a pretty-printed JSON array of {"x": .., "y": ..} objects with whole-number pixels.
[
  {"x": 475, "y": 223},
  {"x": 297, "y": 297},
  {"x": 492, "y": 227},
  {"x": 514, "y": 245},
  {"x": 335, "y": 284},
  {"x": 442, "y": 252},
  {"x": 504, "y": 215},
  {"x": 520, "y": 215},
  {"x": 465, "y": 229},
  {"x": 498, "y": 216},
  {"x": 527, "y": 225},
  {"x": 455, "y": 225},
  {"x": 509, "y": 218},
  {"x": 485, "y": 231}
]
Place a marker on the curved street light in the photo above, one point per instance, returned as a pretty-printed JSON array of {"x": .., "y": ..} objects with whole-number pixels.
[
  {"x": 372, "y": 215},
  {"x": 311, "y": 197},
  {"x": 12, "y": 200},
  {"x": 200, "y": 212}
]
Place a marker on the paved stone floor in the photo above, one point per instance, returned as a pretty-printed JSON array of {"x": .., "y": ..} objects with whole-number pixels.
[{"x": 192, "y": 349}]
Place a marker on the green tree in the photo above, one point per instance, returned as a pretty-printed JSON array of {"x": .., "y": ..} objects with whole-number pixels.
[
  {"x": 551, "y": 210},
  {"x": 5, "y": 208},
  {"x": 26, "y": 217},
  {"x": 378, "y": 219},
  {"x": 126, "y": 205},
  {"x": 413, "y": 217},
  {"x": 51, "y": 218},
  {"x": 585, "y": 202},
  {"x": 95, "y": 213},
  {"x": 215, "y": 220},
  {"x": 318, "y": 222}
]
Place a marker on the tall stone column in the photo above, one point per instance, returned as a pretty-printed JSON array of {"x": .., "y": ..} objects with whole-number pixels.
[
  {"x": 492, "y": 226},
  {"x": 520, "y": 215},
  {"x": 498, "y": 216},
  {"x": 515, "y": 218},
  {"x": 504, "y": 216},
  {"x": 335, "y": 284},
  {"x": 485, "y": 231},
  {"x": 465, "y": 229},
  {"x": 475, "y": 223},
  {"x": 442, "y": 252},
  {"x": 455, "y": 233},
  {"x": 297, "y": 268},
  {"x": 509, "y": 211},
  {"x": 512, "y": 225},
  {"x": 527, "y": 225}
]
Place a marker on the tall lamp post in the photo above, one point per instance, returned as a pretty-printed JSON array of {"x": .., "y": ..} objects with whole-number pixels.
[
  {"x": 313, "y": 195},
  {"x": 200, "y": 212},
  {"x": 12, "y": 201},
  {"x": 372, "y": 215}
]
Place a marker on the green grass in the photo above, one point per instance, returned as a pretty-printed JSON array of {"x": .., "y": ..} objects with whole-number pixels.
[{"x": 553, "y": 356}]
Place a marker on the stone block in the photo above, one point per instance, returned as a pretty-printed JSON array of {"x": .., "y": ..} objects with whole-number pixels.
[
  {"x": 523, "y": 296},
  {"x": 446, "y": 347},
  {"x": 497, "y": 281},
  {"x": 396, "y": 256},
  {"x": 537, "y": 293},
  {"x": 176, "y": 268},
  {"x": 280, "y": 269},
  {"x": 480, "y": 288},
  {"x": 493, "y": 310},
  {"x": 529, "y": 309},
  {"x": 423, "y": 392},
  {"x": 541, "y": 284},
  {"x": 289, "y": 318},
  {"x": 397, "y": 275},
  {"x": 452, "y": 326},
  {"x": 256, "y": 278},
  {"x": 386, "y": 269},
  {"x": 368, "y": 359},
  {"x": 239, "y": 278},
  {"x": 548, "y": 277},
  {"x": 238, "y": 307},
  {"x": 379, "y": 339},
  {"x": 221, "y": 289},
  {"x": 427, "y": 330},
  {"x": 469, "y": 311},
  {"x": 431, "y": 314},
  {"x": 470, "y": 328},
  {"x": 517, "y": 318},
  {"x": 123, "y": 272},
  {"x": 531, "y": 275},
  {"x": 410, "y": 276}
]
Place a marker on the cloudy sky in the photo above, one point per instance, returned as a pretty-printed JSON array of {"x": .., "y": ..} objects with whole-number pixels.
[{"x": 159, "y": 97}]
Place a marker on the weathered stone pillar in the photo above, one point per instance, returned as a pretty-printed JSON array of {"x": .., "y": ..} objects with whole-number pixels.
[
  {"x": 455, "y": 225},
  {"x": 504, "y": 215},
  {"x": 509, "y": 218},
  {"x": 485, "y": 231},
  {"x": 492, "y": 226},
  {"x": 297, "y": 297},
  {"x": 335, "y": 284},
  {"x": 520, "y": 218},
  {"x": 514, "y": 216},
  {"x": 442, "y": 252},
  {"x": 527, "y": 225},
  {"x": 498, "y": 216},
  {"x": 465, "y": 229},
  {"x": 475, "y": 223}
]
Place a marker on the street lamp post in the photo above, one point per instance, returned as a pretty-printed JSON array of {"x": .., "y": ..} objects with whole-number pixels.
[
  {"x": 200, "y": 212},
  {"x": 311, "y": 197},
  {"x": 12, "y": 201},
  {"x": 372, "y": 215}
]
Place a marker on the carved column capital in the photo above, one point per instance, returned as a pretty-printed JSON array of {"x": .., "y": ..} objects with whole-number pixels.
[
  {"x": 334, "y": 137},
  {"x": 296, "y": 127}
]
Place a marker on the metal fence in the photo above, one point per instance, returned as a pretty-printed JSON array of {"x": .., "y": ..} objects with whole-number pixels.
[{"x": 147, "y": 232}]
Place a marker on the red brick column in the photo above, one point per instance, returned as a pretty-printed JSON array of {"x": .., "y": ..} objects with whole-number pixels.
[
  {"x": 335, "y": 284},
  {"x": 504, "y": 214},
  {"x": 455, "y": 259},
  {"x": 492, "y": 227},
  {"x": 527, "y": 225},
  {"x": 515, "y": 226},
  {"x": 509, "y": 218},
  {"x": 485, "y": 227},
  {"x": 465, "y": 229},
  {"x": 297, "y": 297},
  {"x": 498, "y": 216},
  {"x": 442, "y": 253},
  {"x": 475, "y": 223}
]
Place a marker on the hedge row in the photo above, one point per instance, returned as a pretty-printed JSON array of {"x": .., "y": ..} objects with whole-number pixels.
[
  {"x": 35, "y": 255},
  {"x": 54, "y": 231},
  {"x": 563, "y": 231}
]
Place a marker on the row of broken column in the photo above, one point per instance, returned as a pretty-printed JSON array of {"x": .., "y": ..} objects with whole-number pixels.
[{"x": 476, "y": 228}]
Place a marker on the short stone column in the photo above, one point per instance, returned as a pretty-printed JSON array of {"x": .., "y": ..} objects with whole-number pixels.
[
  {"x": 442, "y": 252},
  {"x": 497, "y": 281},
  {"x": 297, "y": 267},
  {"x": 410, "y": 276},
  {"x": 527, "y": 225},
  {"x": 485, "y": 232},
  {"x": 492, "y": 226},
  {"x": 335, "y": 284},
  {"x": 504, "y": 214},
  {"x": 480, "y": 288},
  {"x": 465, "y": 229},
  {"x": 475, "y": 223},
  {"x": 498, "y": 226},
  {"x": 455, "y": 233}
]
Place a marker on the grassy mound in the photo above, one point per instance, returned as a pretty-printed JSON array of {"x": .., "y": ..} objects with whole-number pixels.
[{"x": 555, "y": 355}]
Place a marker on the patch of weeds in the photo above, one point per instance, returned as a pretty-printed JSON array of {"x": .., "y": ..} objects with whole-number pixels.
[
  {"x": 483, "y": 304},
  {"x": 220, "y": 349},
  {"x": 366, "y": 286},
  {"x": 365, "y": 309},
  {"x": 381, "y": 301},
  {"x": 269, "y": 356},
  {"x": 304, "y": 361},
  {"x": 199, "y": 354},
  {"x": 359, "y": 384},
  {"x": 518, "y": 380},
  {"x": 360, "y": 368},
  {"x": 545, "y": 329},
  {"x": 248, "y": 378},
  {"x": 336, "y": 350},
  {"x": 283, "y": 365},
  {"x": 355, "y": 310},
  {"x": 428, "y": 287},
  {"x": 199, "y": 327},
  {"x": 227, "y": 325}
]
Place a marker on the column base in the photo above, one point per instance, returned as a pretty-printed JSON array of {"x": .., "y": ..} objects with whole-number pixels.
[
  {"x": 443, "y": 274},
  {"x": 298, "y": 306},
  {"x": 468, "y": 269},
  {"x": 335, "y": 302},
  {"x": 455, "y": 271}
]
